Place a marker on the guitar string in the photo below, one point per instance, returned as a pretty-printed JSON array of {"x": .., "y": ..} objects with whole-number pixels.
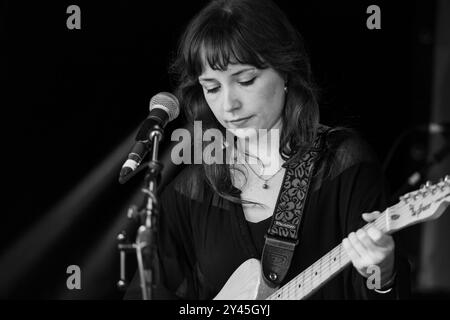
[
  {"x": 306, "y": 284},
  {"x": 310, "y": 273},
  {"x": 307, "y": 273},
  {"x": 380, "y": 222},
  {"x": 291, "y": 288}
]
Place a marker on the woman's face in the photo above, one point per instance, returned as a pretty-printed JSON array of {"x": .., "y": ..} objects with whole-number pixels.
[{"x": 243, "y": 96}]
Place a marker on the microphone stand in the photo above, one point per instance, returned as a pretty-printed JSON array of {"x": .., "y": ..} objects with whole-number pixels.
[{"x": 145, "y": 245}]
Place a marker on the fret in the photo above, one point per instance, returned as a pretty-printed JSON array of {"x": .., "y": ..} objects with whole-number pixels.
[
  {"x": 298, "y": 286},
  {"x": 283, "y": 293},
  {"x": 326, "y": 267},
  {"x": 307, "y": 281},
  {"x": 329, "y": 264},
  {"x": 317, "y": 273},
  {"x": 303, "y": 283},
  {"x": 320, "y": 270},
  {"x": 294, "y": 289},
  {"x": 339, "y": 256},
  {"x": 312, "y": 276},
  {"x": 311, "y": 280},
  {"x": 288, "y": 293},
  {"x": 332, "y": 261},
  {"x": 310, "y": 284},
  {"x": 278, "y": 294}
]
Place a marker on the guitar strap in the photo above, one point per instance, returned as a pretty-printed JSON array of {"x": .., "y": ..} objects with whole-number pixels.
[{"x": 283, "y": 233}]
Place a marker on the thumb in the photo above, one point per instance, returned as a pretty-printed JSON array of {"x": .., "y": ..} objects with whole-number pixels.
[{"x": 369, "y": 217}]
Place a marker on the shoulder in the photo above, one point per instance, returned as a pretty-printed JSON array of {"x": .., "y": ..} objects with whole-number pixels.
[
  {"x": 348, "y": 146},
  {"x": 344, "y": 148}
]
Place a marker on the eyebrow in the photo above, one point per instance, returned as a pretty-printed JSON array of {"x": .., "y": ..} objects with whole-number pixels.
[{"x": 234, "y": 74}]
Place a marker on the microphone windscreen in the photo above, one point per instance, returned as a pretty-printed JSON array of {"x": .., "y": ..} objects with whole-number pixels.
[{"x": 168, "y": 102}]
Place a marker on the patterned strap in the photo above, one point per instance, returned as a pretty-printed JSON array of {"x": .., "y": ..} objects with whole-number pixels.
[{"x": 283, "y": 234}]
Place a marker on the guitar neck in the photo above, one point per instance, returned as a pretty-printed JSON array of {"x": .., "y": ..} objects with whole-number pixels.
[
  {"x": 421, "y": 205},
  {"x": 312, "y": 278}
]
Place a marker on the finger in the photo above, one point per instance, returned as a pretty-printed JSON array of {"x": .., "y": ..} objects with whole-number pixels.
[
  {"x": 379, "y": 238},
  {"x": 357, "y": 245},
  {"x": 351, "y": 252},
  {"x": 369, "y": 217},
  {"x": 374, "y": 253}
]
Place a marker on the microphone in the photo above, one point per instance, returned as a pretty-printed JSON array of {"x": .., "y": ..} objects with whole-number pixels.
[{"x": 164, "y": 107}]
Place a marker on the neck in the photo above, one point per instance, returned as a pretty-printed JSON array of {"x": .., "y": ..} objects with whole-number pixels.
[{"x": 263, "y": 148}]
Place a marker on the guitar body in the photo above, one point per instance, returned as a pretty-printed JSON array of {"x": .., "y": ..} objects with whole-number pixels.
[{"x": 246, "y": 283}]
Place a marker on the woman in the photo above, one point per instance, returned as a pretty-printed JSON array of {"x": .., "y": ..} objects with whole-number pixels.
[{"x": 242, "y": 65}]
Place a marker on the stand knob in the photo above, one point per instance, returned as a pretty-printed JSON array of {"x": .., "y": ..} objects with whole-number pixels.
[
  {"x": 121, "y": 285},
  {"x": 122, "y": 237},
  {"x": 133, "y": 212}
]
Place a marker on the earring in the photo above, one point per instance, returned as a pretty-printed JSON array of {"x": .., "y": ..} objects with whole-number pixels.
[{"x": 285, "y": 88}]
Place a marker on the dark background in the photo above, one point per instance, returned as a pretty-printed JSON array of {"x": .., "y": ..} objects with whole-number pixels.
[{"x": 73, "y": 99}]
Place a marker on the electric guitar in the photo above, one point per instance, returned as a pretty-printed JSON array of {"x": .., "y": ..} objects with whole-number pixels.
[{"x": 247, "y": 282}]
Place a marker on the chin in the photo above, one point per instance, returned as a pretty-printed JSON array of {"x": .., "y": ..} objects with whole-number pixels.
[{"x": 243, "y": 132}]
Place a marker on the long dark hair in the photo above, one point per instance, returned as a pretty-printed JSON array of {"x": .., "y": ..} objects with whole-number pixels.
[{"x": 258, "y": 33}]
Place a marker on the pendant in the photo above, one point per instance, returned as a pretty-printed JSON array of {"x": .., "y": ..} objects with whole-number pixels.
[{"x": 265, "y": 186}]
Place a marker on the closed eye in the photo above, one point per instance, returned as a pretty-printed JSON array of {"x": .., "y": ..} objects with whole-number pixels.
[
  {"x": 242, "y": 83},
  {"x": 213, "y": 90},
  {"x": 247, "y": 83}
]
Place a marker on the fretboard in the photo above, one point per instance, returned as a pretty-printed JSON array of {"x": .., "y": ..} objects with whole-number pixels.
[{"x": 312, "y": 278}]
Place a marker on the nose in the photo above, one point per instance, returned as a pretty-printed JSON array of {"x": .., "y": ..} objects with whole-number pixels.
[{"x": 231, "y": 101}]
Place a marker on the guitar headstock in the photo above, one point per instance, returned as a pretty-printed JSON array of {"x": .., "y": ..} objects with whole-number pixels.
[{"x": 426, "y": 203}]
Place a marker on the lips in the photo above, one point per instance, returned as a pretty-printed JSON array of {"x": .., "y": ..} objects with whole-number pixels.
[{"x": 239, "y": 121}]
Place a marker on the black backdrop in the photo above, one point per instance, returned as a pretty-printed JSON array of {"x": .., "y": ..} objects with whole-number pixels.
[{"x": 74, "y": 97}]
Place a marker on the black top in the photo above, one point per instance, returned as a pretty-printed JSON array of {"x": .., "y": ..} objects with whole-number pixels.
[
  {"x": 257, "y": 232},
  {"x": 204, "y": 238}
]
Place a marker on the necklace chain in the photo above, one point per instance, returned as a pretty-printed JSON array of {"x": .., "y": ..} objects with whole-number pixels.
[{"x": 265, "y": 185}]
